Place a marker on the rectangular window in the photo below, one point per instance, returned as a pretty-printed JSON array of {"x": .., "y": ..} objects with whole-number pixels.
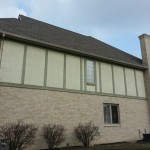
[
  {"x": 111, "y": 114},
  {"x": 90, "y": 72}
]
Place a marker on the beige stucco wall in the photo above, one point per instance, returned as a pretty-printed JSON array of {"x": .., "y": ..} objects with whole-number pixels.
[
  {"x": 11, "y": 64},
  {"x": 119, "y": 82},
  {"x": 43, "y": 106},
  {"x": 72, "y": 72},
  {"x": 55, "y": 69},
  {"x": 130, "y": 82},
  {"x": 60, "y": 70},
  {"x": 35, "y": 64},
  {"x": 106, "y": 78},
  {"x": 90, "y": 88},
  {"x": 140, "y": 83}
]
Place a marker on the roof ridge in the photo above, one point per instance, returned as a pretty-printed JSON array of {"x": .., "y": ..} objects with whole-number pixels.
[
  {"x": 8, "y": 18},
  {"x": 88, "y": 37},
  {"x": 51, "y": 25}
]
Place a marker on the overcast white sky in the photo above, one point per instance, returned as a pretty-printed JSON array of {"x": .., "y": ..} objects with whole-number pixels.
[{"x": 116, "y": 22}]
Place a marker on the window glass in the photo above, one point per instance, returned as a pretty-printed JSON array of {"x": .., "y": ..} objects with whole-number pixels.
[
  {"x": 90, "y": 71},
  {"x": 107, "y": 118},
  {"x": 114, "y": 110},
  {"x": 111, "y": 114}
]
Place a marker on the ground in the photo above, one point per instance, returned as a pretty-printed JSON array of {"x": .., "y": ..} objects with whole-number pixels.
[
  {"x": 116, "y": 146},
  {"x": 125, "y": 146}
]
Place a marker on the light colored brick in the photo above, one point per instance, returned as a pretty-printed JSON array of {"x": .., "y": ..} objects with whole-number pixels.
[{"x": 69, "y": 109}]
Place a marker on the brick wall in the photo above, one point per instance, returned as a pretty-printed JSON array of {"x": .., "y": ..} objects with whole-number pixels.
[
  {"x": 145, "y": 50},
  {"x": 43, "y": 106}
]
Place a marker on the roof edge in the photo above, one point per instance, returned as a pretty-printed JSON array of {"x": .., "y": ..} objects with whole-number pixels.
[
  {"x": 21, "y": 17},
  {"x": 31, "y": 40}
]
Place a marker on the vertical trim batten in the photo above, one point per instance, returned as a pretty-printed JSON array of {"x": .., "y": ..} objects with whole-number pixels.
[
  {"x": 64, "y": 74},
  {"x": 95, "y": 76},
  {"x": 45, "y": 69},
  {"x": 100, "y": 79},
  {"x": 85, "y": 86},
  {"x": 1, "y": 50},
  {"x": 136, "y": 83},
  {"x": 113, "y": 80},
  {"x": 125, "y": 84},
  {"x": 81, "y": 88},
  {"x": 24, "y": 64}
]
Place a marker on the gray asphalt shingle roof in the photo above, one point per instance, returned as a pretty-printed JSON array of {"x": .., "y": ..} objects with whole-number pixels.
[{"x": 31, "y": 28}]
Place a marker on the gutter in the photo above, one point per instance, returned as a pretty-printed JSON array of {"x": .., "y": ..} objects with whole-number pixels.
[{"x": 65, "y": 49}]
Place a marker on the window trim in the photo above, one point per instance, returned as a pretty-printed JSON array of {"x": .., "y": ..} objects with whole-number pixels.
[
  {"x": 94, "y": 69},
  {"x": 118, "y": 111}
]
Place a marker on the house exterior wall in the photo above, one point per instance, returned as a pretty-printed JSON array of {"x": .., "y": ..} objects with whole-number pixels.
[
  {"x": 119, "y": 80},
  {"x": 44, "y": 86},
  {"x": 140, "y": 83},
  {"x": 130, "y": 82},
  {"x": 72, "y": 70},
  {"x": 11, "y": 68},
  {"x": 34, "y": 67},
  {"x": 55, "y": 61},
  {"x": 27, "y": 65},
  {"x": 69, "y": 109},
  {"x": 106, "y": 78}
]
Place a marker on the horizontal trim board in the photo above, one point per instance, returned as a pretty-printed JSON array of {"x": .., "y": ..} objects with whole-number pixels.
[
  {"x": 67, "y": 90},
  {"x": 65, "y": 49}
]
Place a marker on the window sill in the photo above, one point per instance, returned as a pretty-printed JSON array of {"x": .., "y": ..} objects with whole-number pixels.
[
  {"x": 112, "y": 125},
  {"x": 92, "y": 84}
]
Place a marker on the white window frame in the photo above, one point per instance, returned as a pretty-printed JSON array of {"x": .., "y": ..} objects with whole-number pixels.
[
  {"x": 92, "y": 73},
  {"x": 118, "y": 113}
]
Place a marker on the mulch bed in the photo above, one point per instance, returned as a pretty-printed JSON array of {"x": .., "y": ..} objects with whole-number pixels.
[
  {"x": 113, "y": 145},
  {"x": 124, "y": 145},
  {"x": 118, "y": 146}
]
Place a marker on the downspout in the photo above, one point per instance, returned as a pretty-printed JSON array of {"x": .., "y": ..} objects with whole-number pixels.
[{"x": 1, "y": 48}]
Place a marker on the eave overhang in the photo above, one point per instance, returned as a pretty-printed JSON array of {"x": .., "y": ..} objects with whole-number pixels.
[{"x": 7, "y": 35}]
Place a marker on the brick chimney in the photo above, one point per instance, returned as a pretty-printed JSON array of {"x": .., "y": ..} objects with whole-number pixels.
[{"x": 145, "y": 50}]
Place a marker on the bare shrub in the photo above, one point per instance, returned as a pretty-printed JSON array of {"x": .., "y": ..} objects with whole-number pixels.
[
  {"x": 86, "y": 133},
  {"x": 53, "y": 135},
  {"x": 18, "y": 136}
]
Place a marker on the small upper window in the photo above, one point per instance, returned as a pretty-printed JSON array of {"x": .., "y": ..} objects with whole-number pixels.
[
  {"x": 111, "y": 114},
  {"x": 90, "y": 72}
]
